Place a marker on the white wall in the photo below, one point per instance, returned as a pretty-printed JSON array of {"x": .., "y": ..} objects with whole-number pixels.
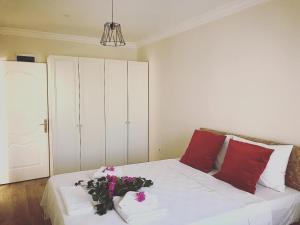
[
  {"x": 12, "y": 45},
  {"x": 239, "y": 74}
]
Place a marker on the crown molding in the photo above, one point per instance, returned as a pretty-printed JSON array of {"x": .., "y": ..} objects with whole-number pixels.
[
  {"x": 212, "y": 15},
  {"x": 56, "y": 36}
]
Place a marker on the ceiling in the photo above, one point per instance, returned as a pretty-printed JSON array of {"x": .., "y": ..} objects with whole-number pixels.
[{"x": 140, "y": 19}]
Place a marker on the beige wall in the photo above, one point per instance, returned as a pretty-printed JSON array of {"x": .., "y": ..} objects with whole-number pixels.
[
  {"x": 239, "y": 74},
  {"x": 12, "y": 45}
]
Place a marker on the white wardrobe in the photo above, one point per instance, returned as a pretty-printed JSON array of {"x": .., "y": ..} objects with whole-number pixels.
[{"x": 98, "y": 112}]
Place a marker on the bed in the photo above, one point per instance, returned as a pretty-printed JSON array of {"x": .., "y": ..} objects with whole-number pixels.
[{"x": 190, "y": 196}]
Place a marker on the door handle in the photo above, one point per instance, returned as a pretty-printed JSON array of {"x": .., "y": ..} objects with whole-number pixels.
[{"x": 45, "y": 124}]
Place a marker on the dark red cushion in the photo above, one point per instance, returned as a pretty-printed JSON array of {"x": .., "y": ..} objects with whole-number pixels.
[
  {"x": 203, "y": 150},
  {"x": 243, "y": 165}
]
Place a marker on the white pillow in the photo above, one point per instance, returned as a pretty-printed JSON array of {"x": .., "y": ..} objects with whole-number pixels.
[
  {"x": 222, "y": 153},
  {"x": 274, "y": 174}
]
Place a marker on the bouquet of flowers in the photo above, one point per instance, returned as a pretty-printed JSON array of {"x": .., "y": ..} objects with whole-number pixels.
[{"x": 104, "y": 189}]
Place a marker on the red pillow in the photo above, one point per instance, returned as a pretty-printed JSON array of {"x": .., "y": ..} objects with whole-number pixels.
[
  {"x": 243, "y": 165},
  {"x": 203, "y": 150}
]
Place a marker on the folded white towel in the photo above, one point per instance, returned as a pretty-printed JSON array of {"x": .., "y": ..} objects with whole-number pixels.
[
  {"x": 76, "y": 200},
  {"x": 129, "y": 203},
  {"x": 103, "y": 172},
  {"x": 140, "y": 216}
]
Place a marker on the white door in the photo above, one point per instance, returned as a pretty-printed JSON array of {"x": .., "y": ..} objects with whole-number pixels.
[
  {"x": 92, "y": 120},
  {"x": 64, "y": 114},
  {"x": 116, "y": 111},
  {"x": 24, "y": 153},
  {"x": 137, "y": 112}
]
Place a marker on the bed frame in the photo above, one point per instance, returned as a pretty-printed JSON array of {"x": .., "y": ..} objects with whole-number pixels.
[{"x": 292, "y": 177}]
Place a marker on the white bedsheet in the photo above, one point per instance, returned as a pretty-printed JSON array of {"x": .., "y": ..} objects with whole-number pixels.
[
  {"x": 191, "y": 197},
  {"x": 285, "y": 205}
]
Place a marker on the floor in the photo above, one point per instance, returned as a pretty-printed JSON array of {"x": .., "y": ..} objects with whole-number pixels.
[{"x": 20, "y": 203}]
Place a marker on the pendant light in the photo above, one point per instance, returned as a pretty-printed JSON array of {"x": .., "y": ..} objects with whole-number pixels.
[{"x": 112, "y": 34}]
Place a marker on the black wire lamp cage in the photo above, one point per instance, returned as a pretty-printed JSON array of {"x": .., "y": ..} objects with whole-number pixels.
[{"x": 112, "y": 33}]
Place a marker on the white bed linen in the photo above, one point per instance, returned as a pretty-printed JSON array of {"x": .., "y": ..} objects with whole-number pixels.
[
  {"x": 76, "y": 200},
  {"x": 285, "y": 205},
  {"x": 191, "y": 197}
]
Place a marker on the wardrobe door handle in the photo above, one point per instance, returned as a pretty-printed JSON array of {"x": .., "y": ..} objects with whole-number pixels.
[{"x": 45, "y": 124}]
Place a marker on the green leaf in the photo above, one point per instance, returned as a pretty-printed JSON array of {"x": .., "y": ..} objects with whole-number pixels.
[
  {"x": 95, "y": 197},
  {"x": 92, "y": 191}
]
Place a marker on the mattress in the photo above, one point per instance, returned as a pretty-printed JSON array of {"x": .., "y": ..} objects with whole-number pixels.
[
  {"x": 285, "y": 206},
  {"x": 191, "y": 197}
]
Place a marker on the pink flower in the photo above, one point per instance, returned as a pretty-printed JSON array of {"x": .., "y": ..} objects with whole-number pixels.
[
  {"x": 109, "y": 168},
  {"x": 128, "y": 179},
  {"x": 124, "y": 179},
  {"x": 140, "y": 196},
  {"x": 111, "y": 188},
  {"x": 131, "y": 179},
  {"x": 112, "y": 178}
]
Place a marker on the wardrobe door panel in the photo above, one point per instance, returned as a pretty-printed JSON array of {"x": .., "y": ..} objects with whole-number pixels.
[
  {"x": 91, "y": 73},
  {"x": 116, "y": 111},
  {"x": 137, "y": 112},
  {"x": 64, "y": 114}
]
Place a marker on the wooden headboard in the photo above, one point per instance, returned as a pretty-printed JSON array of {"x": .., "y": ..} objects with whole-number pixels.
[{"x": 292, "y": 178}]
